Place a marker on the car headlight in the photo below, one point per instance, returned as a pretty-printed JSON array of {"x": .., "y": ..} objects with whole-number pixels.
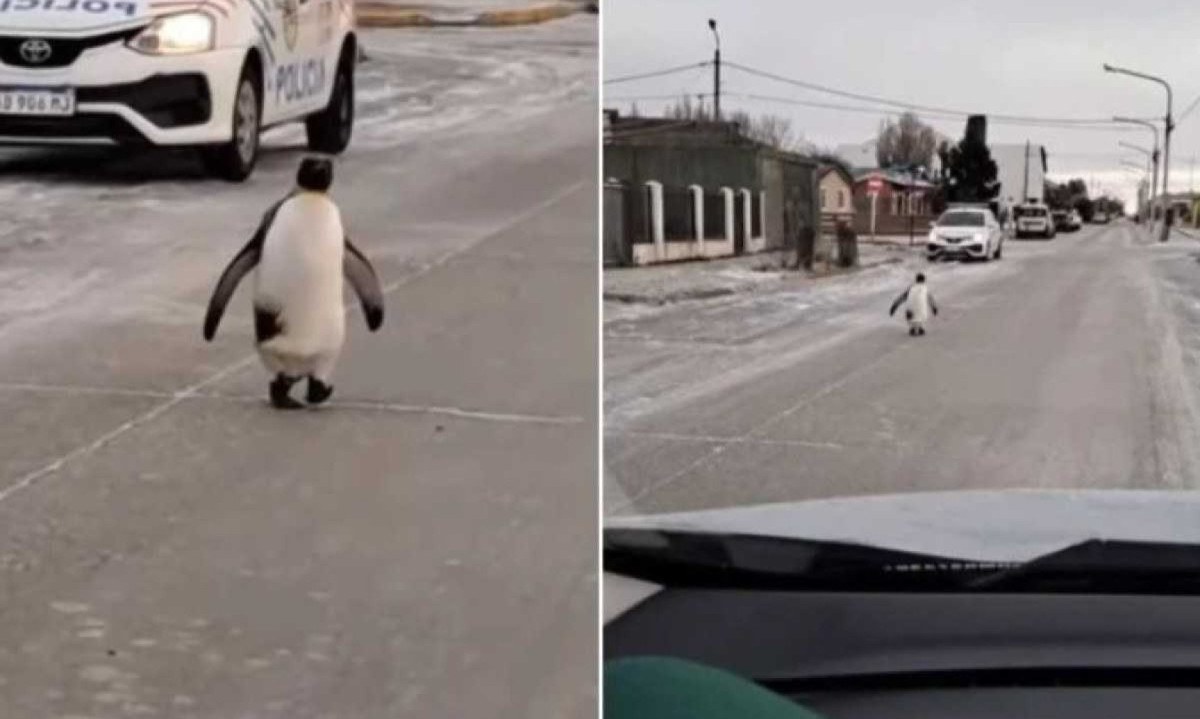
[
  {"x": 979, "y": 238},
  {"x": 177, "y": 35}
]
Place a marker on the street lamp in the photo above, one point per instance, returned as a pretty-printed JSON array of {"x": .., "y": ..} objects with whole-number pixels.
[
  {"x": 712, "y": 25},
  {"x": 1170, "y": 127},
  {"x": 1148, "y": 169},
  {"x": 1154, "y": 175}
]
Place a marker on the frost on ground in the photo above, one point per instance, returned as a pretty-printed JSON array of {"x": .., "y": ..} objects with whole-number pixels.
[
  {"x": 658, "y": 358},
  {"x": 118, "y": 220}
]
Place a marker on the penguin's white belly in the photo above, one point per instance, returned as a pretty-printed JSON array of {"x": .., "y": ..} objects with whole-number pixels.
[
  {"x": 300, "y": 276},
  {"x": 918, "y": 304}
]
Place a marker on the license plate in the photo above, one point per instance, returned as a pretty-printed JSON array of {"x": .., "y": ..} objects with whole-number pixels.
[{"x": 43, "y": 102}]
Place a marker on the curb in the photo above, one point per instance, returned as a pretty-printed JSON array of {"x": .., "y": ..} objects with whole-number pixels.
[
  {"x": 526, "y": 16},
  {"x": 386, "y": 15}
]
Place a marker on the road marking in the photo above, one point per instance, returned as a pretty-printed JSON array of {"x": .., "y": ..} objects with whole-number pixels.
[
  {"x": 368, "y": 405},
  {"x": 173, "y": 399},
  {"x": 706, "y": 439},
  {"x": 720, "y": 448}
]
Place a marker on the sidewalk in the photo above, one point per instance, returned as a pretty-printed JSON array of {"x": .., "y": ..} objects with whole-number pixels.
[{"x": 663, "y": 284}]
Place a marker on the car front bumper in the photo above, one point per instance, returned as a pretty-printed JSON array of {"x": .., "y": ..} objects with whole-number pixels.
[
  {"x": 126, "y": 97},
  {"x": 946, "y": 251}
]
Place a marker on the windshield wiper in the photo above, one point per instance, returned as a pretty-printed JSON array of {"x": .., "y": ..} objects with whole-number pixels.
[{"x": 727, "y": 561}]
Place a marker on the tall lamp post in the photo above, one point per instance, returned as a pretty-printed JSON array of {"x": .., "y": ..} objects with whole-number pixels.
[
  {"x": 1154, "y": 178},
  {"x": 1149, "y": 163},
  {"x": 1170, "y": 127}
]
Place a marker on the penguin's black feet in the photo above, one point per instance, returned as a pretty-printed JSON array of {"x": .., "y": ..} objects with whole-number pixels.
[
  {"x": 280, "y": 387},
  {"x": 318, "y": 391}
]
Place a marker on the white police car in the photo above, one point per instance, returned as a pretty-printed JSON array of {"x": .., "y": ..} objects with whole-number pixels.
[{"x": 204, "y": 73}]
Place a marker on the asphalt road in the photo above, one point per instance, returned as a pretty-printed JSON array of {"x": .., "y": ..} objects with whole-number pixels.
[
  {"x": 425, "y": 545},
  {"x": 1069, "y": 364}
]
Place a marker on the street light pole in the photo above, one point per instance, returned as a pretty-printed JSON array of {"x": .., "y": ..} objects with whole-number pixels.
[
  {"x": 1149, "y": 167},
  {"x": 712, "y": 24},
  {"x": 1170, "y": 127},
  {"x": 1154, "y": 176}
]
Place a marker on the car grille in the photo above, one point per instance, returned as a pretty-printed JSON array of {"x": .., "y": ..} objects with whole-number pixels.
[{"x": 63, "y": 51}]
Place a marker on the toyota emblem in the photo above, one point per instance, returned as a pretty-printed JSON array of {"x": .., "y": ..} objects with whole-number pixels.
[{"x": 35, "y": 51}]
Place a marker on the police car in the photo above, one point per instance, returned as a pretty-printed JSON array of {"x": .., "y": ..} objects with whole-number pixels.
[{"x": 211, "y": 74}]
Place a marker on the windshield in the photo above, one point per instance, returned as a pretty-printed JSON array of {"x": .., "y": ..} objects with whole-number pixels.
[
  {"x": 961, "y": 219},
  {"x": 804, "y": 314}
]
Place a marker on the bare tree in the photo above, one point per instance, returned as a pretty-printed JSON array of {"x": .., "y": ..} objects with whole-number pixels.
[
  {"x": 685, "y": 109},
  {"x": 906, "y": 143},
  {"x": 771, "y": 130}
]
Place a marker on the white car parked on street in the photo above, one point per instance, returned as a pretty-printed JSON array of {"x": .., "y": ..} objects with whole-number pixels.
[
  {"x": 205, "y": 73},
  {"x": 1035, "y": 220},
  {"x": 966, "y": 233}
]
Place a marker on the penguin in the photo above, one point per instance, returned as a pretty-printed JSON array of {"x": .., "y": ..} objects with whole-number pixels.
[
  {"x": 919, "y": 302},
  {"x": 299, "y": 255}
]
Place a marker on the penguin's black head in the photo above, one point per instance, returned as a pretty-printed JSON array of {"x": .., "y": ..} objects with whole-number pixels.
[
  {"x": 920, "y": 278},
  {"x": 315, "y": 175}
]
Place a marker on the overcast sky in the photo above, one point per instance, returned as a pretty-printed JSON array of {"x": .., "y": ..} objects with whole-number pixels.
[{"x": 1019, "y": 57}]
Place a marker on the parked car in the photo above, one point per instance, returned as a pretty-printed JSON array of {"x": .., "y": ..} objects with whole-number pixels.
[
  {"x": 1100, "y": 218},
  {"x": 966, "y": 233},
  {"x": 1074, "y": 221},
  {"x": 1062, "y": 220},
  {"x": 1035, "y": 220},
  {"x": 205, "y": 75}
]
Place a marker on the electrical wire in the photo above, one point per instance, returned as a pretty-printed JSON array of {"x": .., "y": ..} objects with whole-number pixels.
[
  {"x": 1012, "y": 119},
  {"x": 657, "y": 73}
]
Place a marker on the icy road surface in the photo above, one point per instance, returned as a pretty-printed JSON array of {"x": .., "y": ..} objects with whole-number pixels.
[
  {"x": 422, "y": 547},
  {"x": 1068, "y": 364}
]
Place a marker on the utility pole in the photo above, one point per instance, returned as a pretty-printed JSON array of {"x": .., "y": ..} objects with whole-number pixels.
[
  {"x": 1025, "y": 186},
  {"x": 1170, "y": 128},
  {"x": 712, "y": 24}
]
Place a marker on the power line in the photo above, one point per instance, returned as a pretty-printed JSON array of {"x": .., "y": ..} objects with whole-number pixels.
[
  {"x": 914, "y": 106},
  {"x": 649, "y": 98},
  {"x": 1191, "y": 108},
  {"x": 657, "y": 73},
  {"x": 944, "y": 116}
]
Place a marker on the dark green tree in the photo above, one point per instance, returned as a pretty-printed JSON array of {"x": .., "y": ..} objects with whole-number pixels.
[{"x": 969, "y": 172}]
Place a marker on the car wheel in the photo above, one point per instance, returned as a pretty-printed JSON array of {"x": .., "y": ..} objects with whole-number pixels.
[
  {"x": 329, "y": 130},
  {"x": 1000, "y": 250},
  {"x": 235, "y": 160}
]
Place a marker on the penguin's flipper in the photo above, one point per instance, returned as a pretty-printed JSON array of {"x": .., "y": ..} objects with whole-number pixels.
[
  {"x": 242, "y": 263},
  {"x": 233, "y": 274},
  {"x": 365, "y": 282}
]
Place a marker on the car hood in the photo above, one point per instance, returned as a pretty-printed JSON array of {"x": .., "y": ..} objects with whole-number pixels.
[
  {"x": 995, "y": 526},
  {"x": 55, "y": 18},
  {"x": 1001, "y": 526}
]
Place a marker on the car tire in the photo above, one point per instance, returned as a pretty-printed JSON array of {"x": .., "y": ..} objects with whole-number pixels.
[
  {"x": 234, "y": 160},
  {"x": 999, "y": 251},
  {"x": 329, "y": 130}
]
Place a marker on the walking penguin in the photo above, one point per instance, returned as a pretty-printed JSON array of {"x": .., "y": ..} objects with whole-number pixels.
[
  {"x": 919, "y": 303},
  {"x": 299, "y": 255}
]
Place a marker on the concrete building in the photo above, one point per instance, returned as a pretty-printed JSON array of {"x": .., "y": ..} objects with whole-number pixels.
[{"x": 680, "y": 190}]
